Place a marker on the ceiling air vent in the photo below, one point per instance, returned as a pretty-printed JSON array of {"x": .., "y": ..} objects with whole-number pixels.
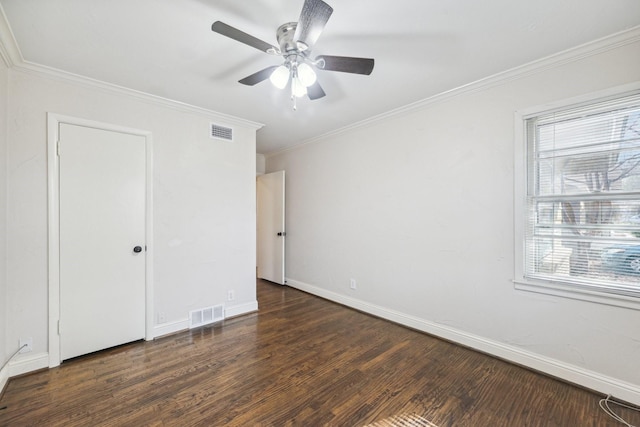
[{"x": 221, "y": 132}]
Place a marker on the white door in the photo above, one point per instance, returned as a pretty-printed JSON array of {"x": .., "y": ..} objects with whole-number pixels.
[
  {"x": 271, "y": 232},
  {"x": 102, "y": 239}
]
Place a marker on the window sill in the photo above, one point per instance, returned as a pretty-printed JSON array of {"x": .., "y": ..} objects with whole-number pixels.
[{"x": 576, "y": 292}]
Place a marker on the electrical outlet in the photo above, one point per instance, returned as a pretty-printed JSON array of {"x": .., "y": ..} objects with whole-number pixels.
[
  {"x": 231, "y": 296},
  {"x": 162, "y": 317},
  {"x": 353, "y": 284},
  {"x": 28, "y": 343}
]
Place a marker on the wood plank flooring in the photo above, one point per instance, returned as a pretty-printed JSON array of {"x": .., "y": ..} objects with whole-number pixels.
[{"x": 300, "y": 361}]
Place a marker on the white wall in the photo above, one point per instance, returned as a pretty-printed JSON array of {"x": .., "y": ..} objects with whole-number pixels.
[
  {"x": 204, "y": 202},
  {"x": 261, "y": 164},
  {"x": 419, "y": 209},
  {"x": 4, "y": 348}
]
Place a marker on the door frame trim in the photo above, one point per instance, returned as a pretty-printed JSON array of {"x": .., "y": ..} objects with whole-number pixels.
[{"x": 53, "y": 217}]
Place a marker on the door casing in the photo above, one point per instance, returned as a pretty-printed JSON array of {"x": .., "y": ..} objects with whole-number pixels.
[{"x": 53, "y": 125}]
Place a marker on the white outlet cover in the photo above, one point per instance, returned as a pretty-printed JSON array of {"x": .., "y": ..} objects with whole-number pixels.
[{"x": 28, "y": 342}]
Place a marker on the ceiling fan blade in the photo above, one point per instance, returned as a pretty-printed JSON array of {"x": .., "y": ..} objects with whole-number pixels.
[
  {"x": 235, "y": 34},
  {"x": 313, "y": 18},
  {"x": 345, "y": 64},
  {"x": 315, "y": 91},
  {"x": 256, "y": 78}
]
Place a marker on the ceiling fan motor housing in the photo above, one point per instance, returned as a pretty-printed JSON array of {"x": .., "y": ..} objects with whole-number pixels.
[
  {"x": 293, "y": 51},
  {"x": 288, "y": 46}
]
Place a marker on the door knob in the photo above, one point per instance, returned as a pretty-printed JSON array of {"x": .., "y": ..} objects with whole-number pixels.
[{"x": 137, "y": 249}]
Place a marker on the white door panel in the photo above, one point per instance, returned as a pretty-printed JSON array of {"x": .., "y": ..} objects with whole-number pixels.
[
  {"x": 271, "y": 245},
  {"x": 102, "y": 219}
]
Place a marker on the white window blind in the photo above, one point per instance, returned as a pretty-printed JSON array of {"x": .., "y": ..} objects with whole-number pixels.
[{"x": 583, "y": 196}]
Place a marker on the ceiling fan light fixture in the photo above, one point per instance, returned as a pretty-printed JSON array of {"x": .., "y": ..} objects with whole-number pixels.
[
  {"x": 306, "y": 74},
  {"x": 280, "y": 77},
  {"x": 298, "y": 89}
]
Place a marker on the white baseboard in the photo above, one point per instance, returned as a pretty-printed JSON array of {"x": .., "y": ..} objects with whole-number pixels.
[
  {"x": 170, "y": 328},
  {"x": 238, "y": 310},
  {"x": 4, "y": 377},
  {"x": 27, "y": 363},
  {"x": 571, "y": 373}
]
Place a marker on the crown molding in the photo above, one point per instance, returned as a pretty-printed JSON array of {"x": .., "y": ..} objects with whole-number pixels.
[
  {"x": 9, "y": 51},
  {"x": 11, "y": 55},
  {"x": 556, "y": 60},
  {"x": 27, "y": 67}
]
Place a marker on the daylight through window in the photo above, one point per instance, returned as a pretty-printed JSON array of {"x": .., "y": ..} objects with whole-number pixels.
[{"x": 583, "y": 196}]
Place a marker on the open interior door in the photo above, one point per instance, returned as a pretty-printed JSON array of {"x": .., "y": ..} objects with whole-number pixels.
[{"x": 271, "y": 232}]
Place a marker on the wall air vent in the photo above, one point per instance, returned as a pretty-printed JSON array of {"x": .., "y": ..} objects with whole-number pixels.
[
  {"x": 205, "y": 316},
  {"x": 221, "y": 132}
]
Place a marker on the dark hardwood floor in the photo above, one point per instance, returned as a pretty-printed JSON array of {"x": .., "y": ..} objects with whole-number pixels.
[{"x": 300, "y": 361}]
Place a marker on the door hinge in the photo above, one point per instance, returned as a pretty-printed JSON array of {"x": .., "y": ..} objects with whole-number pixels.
[
  {"x": 58, "y": 327},
  {"x": 58, "y": 148}
]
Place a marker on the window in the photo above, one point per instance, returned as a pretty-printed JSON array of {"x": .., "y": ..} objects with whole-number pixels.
[{"x": 582, "y": 197}]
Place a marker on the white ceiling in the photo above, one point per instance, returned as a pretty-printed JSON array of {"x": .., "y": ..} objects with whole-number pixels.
[{"x": 421, "y": 48}]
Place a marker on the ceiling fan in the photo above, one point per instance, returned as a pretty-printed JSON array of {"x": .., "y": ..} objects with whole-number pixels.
[{"x": 295, "y": 41}]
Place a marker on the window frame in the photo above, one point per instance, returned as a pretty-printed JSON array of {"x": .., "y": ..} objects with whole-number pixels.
[{"x": 559, "y": 288}]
